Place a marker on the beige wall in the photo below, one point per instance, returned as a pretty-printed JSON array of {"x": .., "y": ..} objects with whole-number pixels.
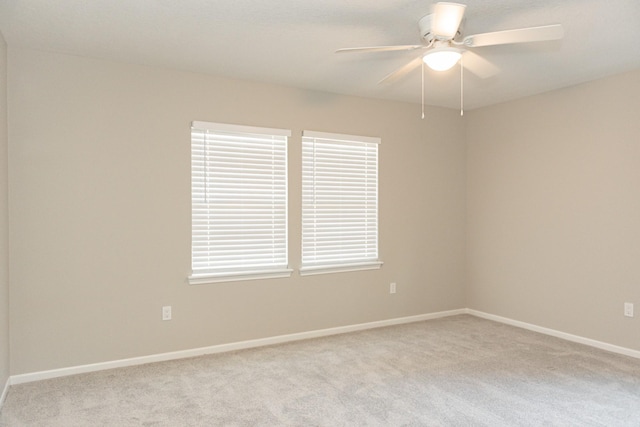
[
  {"x": 100, "y": 212},
  {"x": 541, "y": 192},
  {"x": 554, "y": 209},
  {"x": 4, "y": 224}
]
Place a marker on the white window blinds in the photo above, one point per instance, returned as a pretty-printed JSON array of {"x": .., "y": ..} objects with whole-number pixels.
[
  {"x": 239, "y": 202},
  {"x": 339, "y": 202}
]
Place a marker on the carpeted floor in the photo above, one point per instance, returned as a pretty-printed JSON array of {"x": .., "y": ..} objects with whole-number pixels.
[{"x": 455, "y": 371}]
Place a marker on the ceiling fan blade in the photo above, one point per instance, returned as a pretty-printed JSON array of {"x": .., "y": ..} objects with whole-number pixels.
[
  {"x": 446, "y": 19},
  {"x": 402, "y": 71},
  {"x": 380, "y": 48},
  {"x": 479, "y": 66},
  {"x": 522, "y": 35}
]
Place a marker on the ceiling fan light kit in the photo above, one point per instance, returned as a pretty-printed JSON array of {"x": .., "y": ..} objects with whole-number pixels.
[{"x": 442, "y": 59}]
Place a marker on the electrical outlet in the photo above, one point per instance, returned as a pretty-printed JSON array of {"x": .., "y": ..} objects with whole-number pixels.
[
  {"x": 628, "y": 309},
  {"x": 166, "y": 312},
  {"x": 392, "y": 288}
]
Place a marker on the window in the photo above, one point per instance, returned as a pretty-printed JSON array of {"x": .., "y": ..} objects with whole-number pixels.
[
  {"x": 339, "y": 203},
  {"x": 238, "y": 202}
]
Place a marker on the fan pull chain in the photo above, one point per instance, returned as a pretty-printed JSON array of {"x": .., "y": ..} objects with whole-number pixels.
[
  {"x": 422, "y": 91},
  {"x": 461, "y": 87}
]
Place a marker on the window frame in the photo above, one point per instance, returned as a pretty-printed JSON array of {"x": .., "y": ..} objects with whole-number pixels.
[
  {"x": 241, "y": 272},
  {"x": 366, "y": 262}
]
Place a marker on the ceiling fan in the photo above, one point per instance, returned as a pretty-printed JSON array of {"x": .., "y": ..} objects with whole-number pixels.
[{"x": 443, "y": 43}]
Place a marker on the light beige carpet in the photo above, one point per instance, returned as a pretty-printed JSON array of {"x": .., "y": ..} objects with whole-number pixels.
[{"x": 456, "y": 371}]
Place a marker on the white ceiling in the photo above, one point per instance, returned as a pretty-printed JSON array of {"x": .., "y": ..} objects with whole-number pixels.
[{"x": 292, "y": 42}]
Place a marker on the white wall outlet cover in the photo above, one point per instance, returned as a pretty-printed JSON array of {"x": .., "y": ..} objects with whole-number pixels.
[{"x": 628, "y": 309}]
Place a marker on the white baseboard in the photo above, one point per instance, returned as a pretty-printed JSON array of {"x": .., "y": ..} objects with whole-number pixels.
[
  {"x": 5, "y": 390},
  {"x": 54, "y": 373},
  {"x": 43, "y": 375},
  {"x": 569, "y": 337}
]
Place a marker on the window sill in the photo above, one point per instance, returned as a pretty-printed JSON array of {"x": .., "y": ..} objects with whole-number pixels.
[
  {"x": 201, "y": 279},
  {"x": 340, "y": 268}
]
